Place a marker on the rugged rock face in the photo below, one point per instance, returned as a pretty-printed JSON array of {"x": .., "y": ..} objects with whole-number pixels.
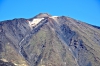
[{"x": 51, "y": 41}]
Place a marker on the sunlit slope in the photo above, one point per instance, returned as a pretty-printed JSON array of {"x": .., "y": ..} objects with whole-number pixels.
[{"x": 46, "y": 40}]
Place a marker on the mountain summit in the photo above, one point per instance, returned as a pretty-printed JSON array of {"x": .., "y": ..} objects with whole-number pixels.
[
  {"x": 42, "y": 15},
  {"x": 47, "y": 40}
]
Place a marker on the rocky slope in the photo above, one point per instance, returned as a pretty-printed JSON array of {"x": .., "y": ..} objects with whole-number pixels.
[{"x": 46, "y": 40}]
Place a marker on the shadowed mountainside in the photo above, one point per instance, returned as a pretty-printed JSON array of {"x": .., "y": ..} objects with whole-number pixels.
[{"x": 54, "y": 41}]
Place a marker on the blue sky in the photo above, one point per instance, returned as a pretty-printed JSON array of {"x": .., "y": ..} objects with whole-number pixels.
[{"x": 84, "y": 10}]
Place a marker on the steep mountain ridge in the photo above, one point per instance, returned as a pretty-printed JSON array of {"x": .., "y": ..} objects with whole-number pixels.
[{"x": 51, "y": 41}]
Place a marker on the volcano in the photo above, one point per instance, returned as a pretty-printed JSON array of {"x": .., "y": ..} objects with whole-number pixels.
[{"x": 47, "y": 40}]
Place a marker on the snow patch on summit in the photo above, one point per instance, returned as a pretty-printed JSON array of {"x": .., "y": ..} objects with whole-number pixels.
[
  {"x": 34, "y": 22},
  {"x": 54, "y": 17}
]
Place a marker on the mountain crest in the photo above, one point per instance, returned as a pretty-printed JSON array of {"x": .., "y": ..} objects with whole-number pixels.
[{"x": 42, "y": 15}]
